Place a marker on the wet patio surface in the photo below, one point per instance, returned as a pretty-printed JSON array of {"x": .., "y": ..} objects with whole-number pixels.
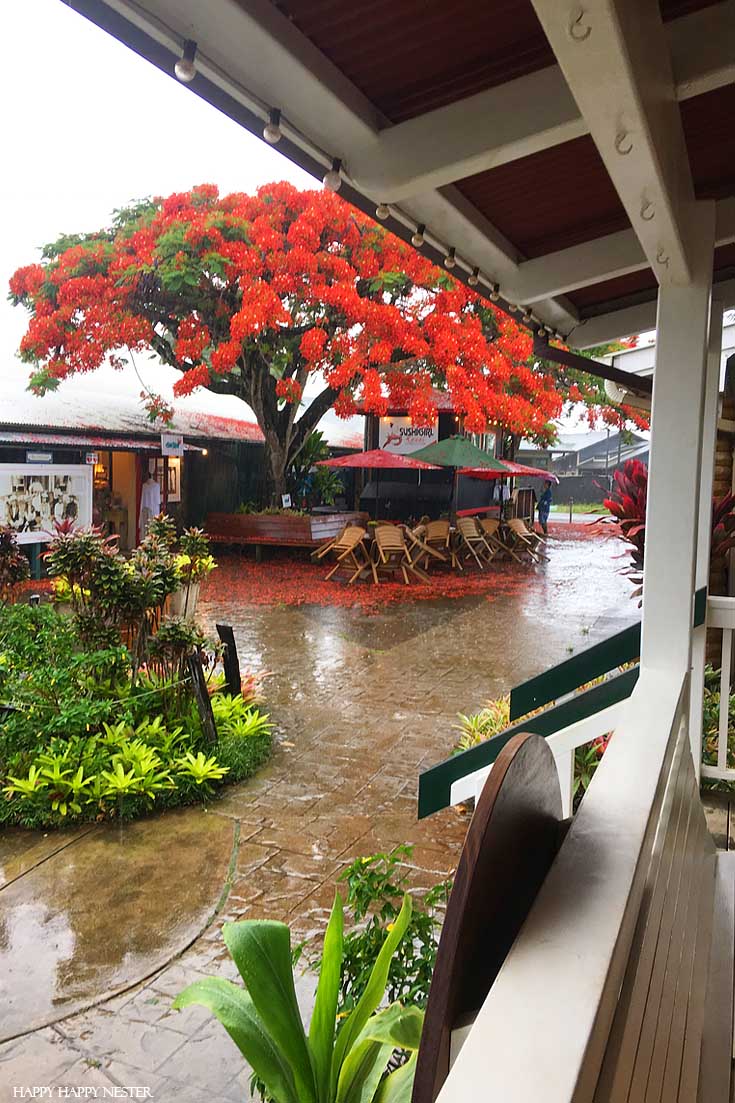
[{"x": 364, "y": 699}]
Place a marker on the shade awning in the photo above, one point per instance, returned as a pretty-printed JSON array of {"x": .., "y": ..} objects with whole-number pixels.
[{"x": 378, "y": 458}]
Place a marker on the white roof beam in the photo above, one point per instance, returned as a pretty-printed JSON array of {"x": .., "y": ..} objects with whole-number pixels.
[
  {"x": 593, "y": 261},
  {"x": 634, "y": 319},
  {"x": 615, "y": 58},
  {"x": 525, "y": 115}
]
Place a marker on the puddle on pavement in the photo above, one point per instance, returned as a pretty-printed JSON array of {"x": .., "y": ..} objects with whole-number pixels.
[{"x": 105, "y": 911}]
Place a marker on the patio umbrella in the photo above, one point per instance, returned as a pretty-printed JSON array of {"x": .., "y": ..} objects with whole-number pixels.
[
  {"x": 378, "y": 459},
  {"x": 459, "y": 452},
  {"x": 509, "y": 468}
]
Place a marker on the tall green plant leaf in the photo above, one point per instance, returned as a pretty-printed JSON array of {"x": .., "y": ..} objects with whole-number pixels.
[
  {"x": 323, "y": 1020},
  {"x": 361, "y": 1072},
  {"x": 398, "y": 1086},
  {"x": 235, "y": 1010},
  {"x": 261, "y": 949},
  {"x": 400, "y": 1026},
  {"x": 374, "y": 990}
]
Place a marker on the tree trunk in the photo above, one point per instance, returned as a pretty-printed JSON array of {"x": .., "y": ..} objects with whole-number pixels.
[{"x": 275, "y": 467}]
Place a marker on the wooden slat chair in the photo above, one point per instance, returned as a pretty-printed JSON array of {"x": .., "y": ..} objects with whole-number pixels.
[
  {"x": 494, "y": 535},
  {"x": 601, "y": 972},
  {"x": 433, "y": 540},
  {"x": 472, "y": 543},
  {"x": 350, "y": 553},
  {"x": 390, "y": 554},
  {"x": 326, "y": 546},
  {"x": 525, "y": 539}
]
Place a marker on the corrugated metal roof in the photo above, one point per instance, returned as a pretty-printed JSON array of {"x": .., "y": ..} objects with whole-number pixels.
[
  {"x": 107, "y": 441},
  {"x": 108, "y": 401}
]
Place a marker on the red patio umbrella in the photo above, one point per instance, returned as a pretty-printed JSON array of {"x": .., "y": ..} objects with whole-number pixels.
[
  {"x": 377, "y": 458},
  {"x": 380, "y": 460},
  {"x": 510, "y": 468}
]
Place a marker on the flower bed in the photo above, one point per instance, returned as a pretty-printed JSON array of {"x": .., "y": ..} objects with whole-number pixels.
[{"x": 97, "y": 710}]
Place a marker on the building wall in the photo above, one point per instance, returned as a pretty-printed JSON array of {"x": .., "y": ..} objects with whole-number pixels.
[{"x": 124, "y": 485}]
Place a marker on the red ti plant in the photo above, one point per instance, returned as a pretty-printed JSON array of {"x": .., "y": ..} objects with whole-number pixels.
[{"x": 627, "y": 506}]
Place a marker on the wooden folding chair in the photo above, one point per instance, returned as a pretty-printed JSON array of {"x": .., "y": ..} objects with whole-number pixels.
[
  {"x": 391, "y": 554},
  {"x": 326, "y": 546},
  {"x": 472, "y": 542},
  {"x": 350, "y": 553},
  {"x": 492, "y": 529},
  {"x": 430, "y": 542},
  {"x": 525, "y": 539}
]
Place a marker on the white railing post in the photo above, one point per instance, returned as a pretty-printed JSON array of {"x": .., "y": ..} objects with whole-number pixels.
[
  {"x": 704, "y": 533},
  {"x": 676, "y": 447},
  {"x": 565, "y": 768}
]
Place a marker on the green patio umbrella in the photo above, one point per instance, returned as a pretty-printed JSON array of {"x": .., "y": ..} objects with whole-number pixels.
[{"x": 457, "y": 452}]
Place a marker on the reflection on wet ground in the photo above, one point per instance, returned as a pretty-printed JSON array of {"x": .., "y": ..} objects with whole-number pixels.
[
  {"x": 105, "y": 911},
  {"x": 363, "y": 701}
]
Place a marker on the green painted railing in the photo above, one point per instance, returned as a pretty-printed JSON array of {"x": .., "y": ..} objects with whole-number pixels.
[
  {"x": 436, "y": 783},
  {"x": 589, "y": 664}
]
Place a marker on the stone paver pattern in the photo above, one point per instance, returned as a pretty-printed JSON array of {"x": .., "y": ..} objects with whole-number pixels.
[{"x": 362, "y": 704}]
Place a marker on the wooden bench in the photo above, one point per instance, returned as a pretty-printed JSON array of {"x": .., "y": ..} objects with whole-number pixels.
[{"x": 592, "y": 964}]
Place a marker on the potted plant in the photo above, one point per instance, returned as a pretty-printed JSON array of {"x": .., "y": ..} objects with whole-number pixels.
[{"x": 194, "y": 563}]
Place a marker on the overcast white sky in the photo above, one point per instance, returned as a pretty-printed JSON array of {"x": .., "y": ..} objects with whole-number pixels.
[{"x": 87, "y": 125}]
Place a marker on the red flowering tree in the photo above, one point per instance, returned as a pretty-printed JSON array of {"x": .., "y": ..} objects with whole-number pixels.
[{"x": 254, "y": 295}]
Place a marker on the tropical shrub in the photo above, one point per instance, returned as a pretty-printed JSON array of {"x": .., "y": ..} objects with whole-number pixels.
[
  {"x": 14, "y": 567},
  {"x": 339, "y": 1059},
  {"x": 81, "y": 741},
  {"x": 627, "y": 506},
  {"x": 376, "y": 886}
]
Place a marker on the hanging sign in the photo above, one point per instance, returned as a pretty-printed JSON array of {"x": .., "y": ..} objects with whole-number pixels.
[
  {"x": 400, "y": 435},
  {"x": 91, "y": 458},
  {"x": 172, "y": 444}
]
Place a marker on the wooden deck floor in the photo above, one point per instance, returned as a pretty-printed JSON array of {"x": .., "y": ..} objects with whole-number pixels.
[{"x": 719, "y": 808}]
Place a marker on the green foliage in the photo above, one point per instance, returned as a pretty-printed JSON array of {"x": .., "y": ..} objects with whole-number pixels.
[
  {"x": 333, "y": 1063},
  {"x": 376, "y": 886},
  {"x": 82, "y": 742},
  {"x": 491, "y": 720},
  {"x": 14, "y": 566},
  {"x": 327, "y": 485}
]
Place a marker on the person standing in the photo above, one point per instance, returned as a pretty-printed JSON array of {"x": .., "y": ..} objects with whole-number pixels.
[
  {"x": 150, "y": 503},
  {"x": 544, "y": 507}
]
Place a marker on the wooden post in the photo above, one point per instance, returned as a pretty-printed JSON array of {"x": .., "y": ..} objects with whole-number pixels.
[
  {"x": 231, "y": 662},
  {"x": 672, "y": 514},
  {"x": 201, "y": 696}
]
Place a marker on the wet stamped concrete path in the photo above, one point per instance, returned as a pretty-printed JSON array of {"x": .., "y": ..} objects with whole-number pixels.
[{"x": 363, "y": 702}]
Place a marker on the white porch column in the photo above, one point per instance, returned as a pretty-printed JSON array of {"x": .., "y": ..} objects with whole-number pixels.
[
  {"x": 676, "y": 448},
  {"x": 704, "y": 535}
]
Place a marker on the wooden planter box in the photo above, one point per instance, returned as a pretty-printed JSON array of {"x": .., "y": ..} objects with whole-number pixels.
[{"x": 278, "y": 529}]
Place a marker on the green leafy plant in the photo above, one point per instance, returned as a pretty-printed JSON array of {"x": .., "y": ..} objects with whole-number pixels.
[
  {"x": 200, "y": 770},
  {"x": 376, "y": 886},
  {"x": 14, "y": 566},
  {"x": 332, "y": 1063}
]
